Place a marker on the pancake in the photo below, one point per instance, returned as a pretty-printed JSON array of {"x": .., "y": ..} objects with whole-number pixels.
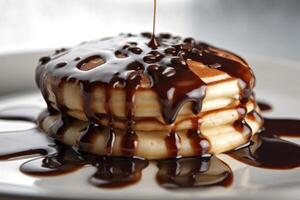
[{"x": 121, "y": 96}]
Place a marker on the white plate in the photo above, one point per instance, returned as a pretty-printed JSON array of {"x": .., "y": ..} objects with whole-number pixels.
[{"x": 278, "y": 83}]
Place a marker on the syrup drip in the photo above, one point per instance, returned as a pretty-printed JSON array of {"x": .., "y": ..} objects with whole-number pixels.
[
  {"x": 130, "y": 139},
  {"x": 172, "y": 141},
  {"x": 198, "y": 142},
  {"x": 87, "y": 137},
  {"x": 112, "y": 136}
]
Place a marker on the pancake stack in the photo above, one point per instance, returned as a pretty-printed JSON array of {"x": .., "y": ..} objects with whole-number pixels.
[{"x": 121, "y": 96}]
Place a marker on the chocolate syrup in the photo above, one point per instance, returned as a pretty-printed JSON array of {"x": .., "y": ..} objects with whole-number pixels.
[
  {"x": 282, "y": 127},
  {"x": 264, "y": 106},
  {"x": 193, "y": 172},
  {"x": 267, "y": 150},
  {"x": 198, "y": 142},
  {"x": 153, "y": 43},
  {"x": 173, "y": 143}
]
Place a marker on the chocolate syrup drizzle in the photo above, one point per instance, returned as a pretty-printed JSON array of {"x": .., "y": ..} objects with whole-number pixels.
[
  {"x": 153, "y": 43},
  {"x": 266, "y": 150}
]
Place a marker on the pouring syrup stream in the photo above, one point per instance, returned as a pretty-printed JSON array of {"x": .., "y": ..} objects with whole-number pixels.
[{"x": 153, "y": 42}]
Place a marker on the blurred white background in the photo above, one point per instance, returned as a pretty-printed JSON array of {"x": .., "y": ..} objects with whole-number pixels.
[{"x": 257, "y": 27}]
